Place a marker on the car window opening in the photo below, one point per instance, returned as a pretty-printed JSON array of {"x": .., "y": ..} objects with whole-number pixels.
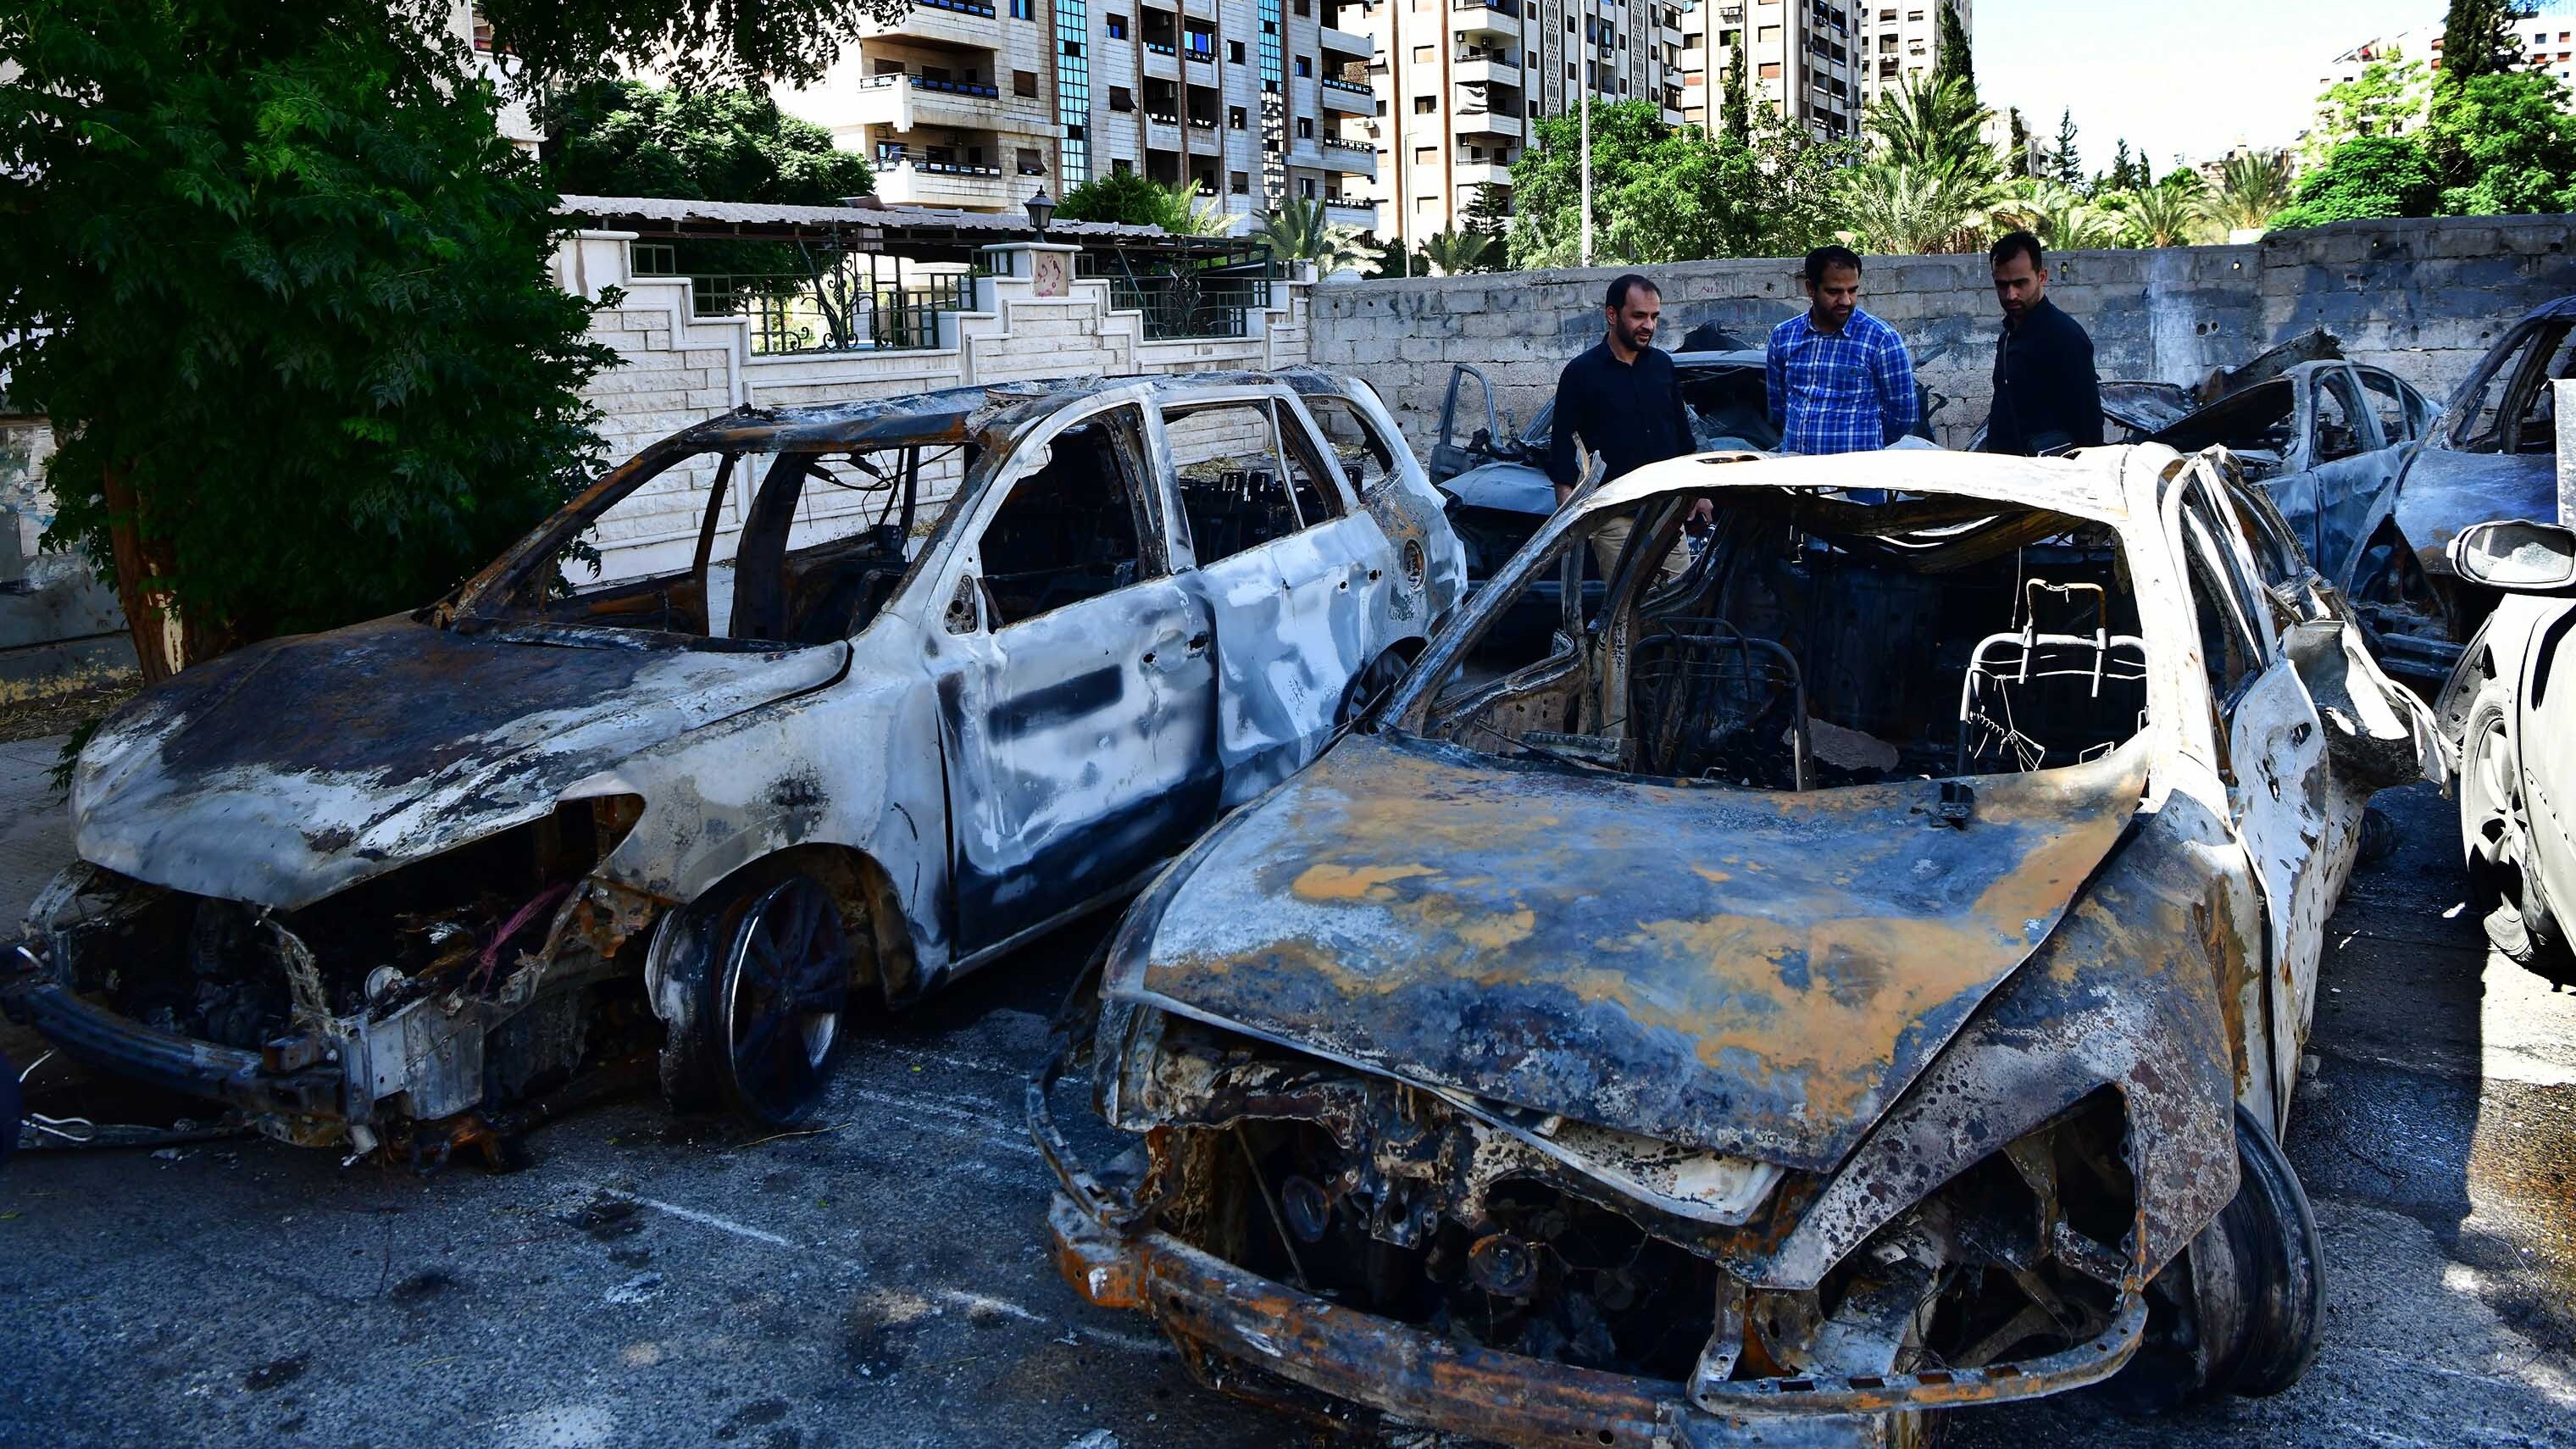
[
  {"x": 1245, "y": 480},
  {"x": 793, "y": 548},
  {"x": 1810, "y": 642},
  {"x": 1073, "y": 529}
]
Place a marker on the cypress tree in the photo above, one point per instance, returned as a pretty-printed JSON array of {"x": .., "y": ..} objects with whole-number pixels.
[{"x": 1951, "y": 58}]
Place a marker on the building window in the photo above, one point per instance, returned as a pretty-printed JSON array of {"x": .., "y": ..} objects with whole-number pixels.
[
  {"x": 1031, "y": 163},
  {"x": 1425, "y": 105},
  {"x": 1770, "y": 70},
  {"x": 1306, "y": 187},
  {"x": 1073, "y": 93},
  {"x": 1022, "y": 9},
  {"x": 1235, "y": 119},
  {"x": 1305, "y": 128},
  {"x": 1424, "y": 55},
  {"x": 1117, "y": 27},
  {"x": 1234, "y": 52},
  {"x": 1122, "y": 166},
  {"x": 1024, "y": 83},
  {"x": 1533, "y": 110},
  {"x": 1305, "y": 67},
  {"x": 1121, "y": 99},
  {"x": 1426, "y": 155},
  {"x": 1305, "y": 7},
  {"x": 1239, "y": 182}
]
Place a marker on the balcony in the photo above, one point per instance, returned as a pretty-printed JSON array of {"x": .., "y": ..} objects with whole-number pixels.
[
  {"x": 1351, "y": 158},
  {"x": 1350, "y": 211},
  {"x": 1486, "y": 67},
  {"x": 1482, "y": 173},
  {"x": 1487, "y": 17},
  {"x": 1347, "y": 96},
  {"x": 1162, "y": 62},
  {"x": 945, "y": 184},
  {"x": 904, "y": 102},
  {"x": 1345, "y": 42},
  {"x": 1487, "y": 123},
  {"x": 949, "y": 22}
]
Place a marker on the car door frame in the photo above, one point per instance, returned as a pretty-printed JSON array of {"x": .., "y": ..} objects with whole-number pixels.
[
  {"x": 1449, "y": 459},
  {"x": 953, "y": 595},
  {"x": 2276, "y": 780}
]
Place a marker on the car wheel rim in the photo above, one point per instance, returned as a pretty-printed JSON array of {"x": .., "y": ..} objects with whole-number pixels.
[{"x": 786, "y": 985}]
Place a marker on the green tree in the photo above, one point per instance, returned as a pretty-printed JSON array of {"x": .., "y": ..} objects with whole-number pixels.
[
  {"x": 2070, "y": 162},
  {"x": 747, "y": 44},
  {"x": 1932, "y": 124},
  {"x": 2167, "y": 214},
  {"x": 626, "y": 138},
  {"x": 1454, "y": 252},
  {"x": 2504, "y": 144},
  {"x": 2366, "y": 177},
  {"x": 1490, "y": 214},
  {"x": 2387, "y": 99},
  {"x": 2478, "y": 39},
  {"x": 1121, "y": 196},
  {"x": 1298, "y": 231},
  {"x": 2250, "y": 188},
  {"x": 1951, "y": 58},
  {"x": 283, "y": 292},
  {"x": 1662, "y": 195},
  {"x": 1903, "y": 208},
  {"x": 1736, "y": 110},
  {"x": 2061, "y": 216}
]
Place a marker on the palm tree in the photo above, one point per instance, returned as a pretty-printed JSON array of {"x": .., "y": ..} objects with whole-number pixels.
[
  {"x": 1452, "y": 252},
  {"x": 1901, "y": 207},
  {"x": 1298, "y": 232},
  {"x": 2168, "y": 214},
  {"x": 1187, "y": 213},
  {"x": 1933, "y": 124},
  {"x": 2058, "y": 215},
  {"x": 2250, "y": 189}
]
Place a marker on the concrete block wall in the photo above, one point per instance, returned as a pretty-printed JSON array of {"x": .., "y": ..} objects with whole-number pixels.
[
  {"x": 678, "y": 369},
  {"x": 2423, "y": 298}
]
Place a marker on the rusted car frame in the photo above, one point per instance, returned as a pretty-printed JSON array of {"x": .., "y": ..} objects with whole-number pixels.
[
  {"x": 378, "y": 886},
  {"x": 1571, "y": 1056}
]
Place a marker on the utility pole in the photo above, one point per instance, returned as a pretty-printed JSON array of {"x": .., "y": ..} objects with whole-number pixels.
[{"x": 1586, "y": 124}]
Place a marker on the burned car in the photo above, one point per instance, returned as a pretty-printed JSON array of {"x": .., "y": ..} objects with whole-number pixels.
[
  {"x": 731, "y": 745},
  {"x": 1861, "y": 975},
  {"x": 2328, "y": 440}
]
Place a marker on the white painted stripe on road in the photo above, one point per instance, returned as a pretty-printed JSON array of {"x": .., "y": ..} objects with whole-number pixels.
[
  {"x": 990, "y": 1304},
  {"x": 710, "y": 1220}
]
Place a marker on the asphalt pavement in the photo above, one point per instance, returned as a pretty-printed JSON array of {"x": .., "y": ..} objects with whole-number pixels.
[{"x": 882, "y": 1278}]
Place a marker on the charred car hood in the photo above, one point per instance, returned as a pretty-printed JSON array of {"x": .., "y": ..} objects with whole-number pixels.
[
  {"x": 2444, "y": 491},
  {"x": 298, "y": 767},
  {"x": 1752, "y": 972}
]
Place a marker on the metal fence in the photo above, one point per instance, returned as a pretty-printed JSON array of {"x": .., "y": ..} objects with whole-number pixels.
[
  {"x": 843, "y": 306},
  {"x": 1212, "y": 297}
]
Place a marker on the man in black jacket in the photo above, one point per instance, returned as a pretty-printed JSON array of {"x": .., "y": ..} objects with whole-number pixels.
[
  {"x": 2047, "y": 398},
  {"x": 1623, "y": 400}
]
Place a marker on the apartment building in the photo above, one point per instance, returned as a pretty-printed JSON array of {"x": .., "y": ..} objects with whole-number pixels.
[
  {"x": 1903, "y": 40},
  {"x": 955, "y": 104},
  {"x": 1808, "y": 58},
  {"x": 1458, "y": 82},
  {"x": 1252, "y": 101},
  {"x": 975, "y": 104}
]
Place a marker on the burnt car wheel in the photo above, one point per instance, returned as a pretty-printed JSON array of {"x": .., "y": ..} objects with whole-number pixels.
[
  {"x": 781, "y": 995},
  {"x": 2242, "y": 1310},
  {"x": 2494, "y": 835}
]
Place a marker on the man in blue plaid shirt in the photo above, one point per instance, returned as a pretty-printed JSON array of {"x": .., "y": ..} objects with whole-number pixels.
[{"x": 1840, "y": 379}]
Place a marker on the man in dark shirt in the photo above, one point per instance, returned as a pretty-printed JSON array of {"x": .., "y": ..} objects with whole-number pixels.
[
  {"x": 1624, "y": 401},
  {"x": 2047, "y": 397}
]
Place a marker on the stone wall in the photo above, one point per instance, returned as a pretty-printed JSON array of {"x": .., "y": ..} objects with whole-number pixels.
[
  {"x": 2422, "y": 298},
  {"x": 681, "y": 369}
]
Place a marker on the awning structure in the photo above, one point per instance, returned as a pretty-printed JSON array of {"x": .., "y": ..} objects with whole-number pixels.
[{"x": 917, "y": 232}]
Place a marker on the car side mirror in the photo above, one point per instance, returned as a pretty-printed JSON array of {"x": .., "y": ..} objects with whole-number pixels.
[{"x": 2516, "y": 555}]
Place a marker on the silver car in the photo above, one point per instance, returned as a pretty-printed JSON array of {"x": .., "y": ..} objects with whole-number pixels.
[{"x": 728, "y": 744}]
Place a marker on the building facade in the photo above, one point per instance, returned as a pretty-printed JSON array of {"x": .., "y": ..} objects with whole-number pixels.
[
  {"x": 1806, "y": 57},
  {"x": 1457, "y": 83},
  {"x": 976, "y": 104},
  {"x": 1903, "y": 40}
]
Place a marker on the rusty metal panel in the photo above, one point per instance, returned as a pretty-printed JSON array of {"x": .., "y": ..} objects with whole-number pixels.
[{"x": 1760, "y": 973}]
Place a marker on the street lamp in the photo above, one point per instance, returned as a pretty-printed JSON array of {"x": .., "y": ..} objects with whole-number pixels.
[{"x": 1041, "y": 209}]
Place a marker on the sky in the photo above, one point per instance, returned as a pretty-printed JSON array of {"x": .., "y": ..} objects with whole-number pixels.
[{"x": 2192, "y": 77}]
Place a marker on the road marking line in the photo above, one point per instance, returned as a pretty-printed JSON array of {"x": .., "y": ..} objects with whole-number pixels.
[{"x": 724, "y": 1225}]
